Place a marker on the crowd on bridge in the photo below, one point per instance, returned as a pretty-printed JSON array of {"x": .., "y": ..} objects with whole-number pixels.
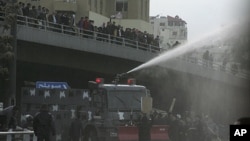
[
  {"x": 208, "y": 61},
  {"x": 108, "y": 30}
]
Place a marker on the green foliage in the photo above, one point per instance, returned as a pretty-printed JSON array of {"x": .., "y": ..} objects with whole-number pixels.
[
  {"x": 6, "y": 49},
  {"x": 6, "y": 26},
  {"x": 9, "y": 8},
  {"x": 6, "y": 39},
  {"x": 10, "y": 18},
  {"x": 4, "y": 72}
]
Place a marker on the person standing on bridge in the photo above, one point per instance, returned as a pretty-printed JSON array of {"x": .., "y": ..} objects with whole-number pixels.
[
  {"x": 206, "y": 58},
  {"x": 43, "y": 124}
]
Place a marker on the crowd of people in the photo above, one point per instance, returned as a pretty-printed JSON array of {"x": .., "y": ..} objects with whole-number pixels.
[
  {"x": 189, "y": 127},
  {"x": 42, "y": 124},
  {"x": 108, "y": 31},
  {"x": 186, "y": 127}
]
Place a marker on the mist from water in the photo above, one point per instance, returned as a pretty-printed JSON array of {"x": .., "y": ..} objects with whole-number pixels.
[
  {"x": 215, "y": 38},
  {"x": 202, "y": 94}
]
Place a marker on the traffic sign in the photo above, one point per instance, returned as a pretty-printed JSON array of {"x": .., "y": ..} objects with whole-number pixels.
[{"x": 52, "y": 85}]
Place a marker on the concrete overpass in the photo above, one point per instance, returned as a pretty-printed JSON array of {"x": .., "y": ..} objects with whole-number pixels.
[
  {"x": 69, "y": 49},
  {"x": 204, "y": 88}
]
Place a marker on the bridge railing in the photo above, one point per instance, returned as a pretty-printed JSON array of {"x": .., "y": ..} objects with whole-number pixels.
[
  {"x": 217, "y": 66},
  {"x": 17, "y": 135},
  {"x": 75, "y": 31}
]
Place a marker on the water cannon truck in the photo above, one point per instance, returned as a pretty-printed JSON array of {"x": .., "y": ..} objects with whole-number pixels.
[{"x": 109, "y": 112}]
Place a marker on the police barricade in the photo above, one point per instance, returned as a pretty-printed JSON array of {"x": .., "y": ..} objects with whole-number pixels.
[
  {"x": 128, "y": 133},
  {"x": 159, "y": 133},
  {"x": 25, "y": 135}
]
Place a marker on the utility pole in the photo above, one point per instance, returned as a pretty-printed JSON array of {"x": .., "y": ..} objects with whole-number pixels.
[{"x": 13, "y": 64}]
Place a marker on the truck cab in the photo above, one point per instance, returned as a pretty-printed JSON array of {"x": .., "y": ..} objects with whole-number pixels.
[{"x": 117, "y": 106}]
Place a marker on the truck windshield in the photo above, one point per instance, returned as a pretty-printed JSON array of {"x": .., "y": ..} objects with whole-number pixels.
[{"x": 125, "y": 100}]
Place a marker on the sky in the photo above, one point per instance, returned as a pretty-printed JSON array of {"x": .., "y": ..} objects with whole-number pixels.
[{"x": 202, "y": 16}]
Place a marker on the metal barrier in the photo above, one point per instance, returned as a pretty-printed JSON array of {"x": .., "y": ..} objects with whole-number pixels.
[
  {"x": 75, "y": 31},
  {"x": 62, "y": 104},
  {"x": 216, "y": 66},
  {"x": 26, "y": 135}
]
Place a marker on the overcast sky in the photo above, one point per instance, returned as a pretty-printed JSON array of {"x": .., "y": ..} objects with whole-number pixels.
[{"x": 202, "y": 16}]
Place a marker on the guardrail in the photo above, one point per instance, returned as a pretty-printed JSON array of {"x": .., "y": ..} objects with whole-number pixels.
[
  {"x": 26, "y": 135},
  {"x": 75, "y": 31},
  {"x": 124, "y": 42},
  {"x": 216, "y": 66}
]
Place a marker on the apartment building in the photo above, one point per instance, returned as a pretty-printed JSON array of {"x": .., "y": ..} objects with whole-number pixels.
[
  {"x": 126, "y": 12},
  {"x": 171, "y": 30}
]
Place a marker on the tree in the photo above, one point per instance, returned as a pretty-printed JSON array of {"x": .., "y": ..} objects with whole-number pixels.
[
  {"x": 6, "y": 41},
  {"x": 6, "y": 55},
  {"x": 8, "y": 51}
]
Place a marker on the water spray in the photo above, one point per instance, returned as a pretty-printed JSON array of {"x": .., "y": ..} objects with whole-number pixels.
[{"x": 215, "y": 38}]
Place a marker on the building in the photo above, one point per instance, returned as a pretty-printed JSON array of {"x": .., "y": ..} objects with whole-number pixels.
[
  {"x": 171, "y": 30},
  {"x": 127, "y": 13}
]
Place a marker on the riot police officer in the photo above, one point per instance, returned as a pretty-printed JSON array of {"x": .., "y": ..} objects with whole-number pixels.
[
  {"x": 144, "y": 129},
  {"x": 43, "y": 124}
]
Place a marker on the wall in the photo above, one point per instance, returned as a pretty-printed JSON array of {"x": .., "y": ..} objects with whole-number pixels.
[
  {"x": 126, "y": 23},
  {"x": 98, "y": 19},
  {"x": 138, "y": 24}
]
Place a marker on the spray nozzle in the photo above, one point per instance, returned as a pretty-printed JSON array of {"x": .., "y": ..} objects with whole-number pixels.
[
  {"x": 121, "y": 74},
  {"x": 117, "y": 77}
]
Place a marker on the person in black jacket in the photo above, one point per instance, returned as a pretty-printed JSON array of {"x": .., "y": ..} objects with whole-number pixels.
[
  {"x": 43, "y": 124},
  {"x": 13, "y": 119},
  {"x": 76, "y": 129},
  {"x": 144, "y": 129}
]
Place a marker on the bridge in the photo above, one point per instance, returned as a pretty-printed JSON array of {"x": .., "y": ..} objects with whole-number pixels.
[{"x": 51, "y": 39}]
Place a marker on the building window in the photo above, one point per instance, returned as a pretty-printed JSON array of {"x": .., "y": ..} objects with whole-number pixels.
[
  {"x": 101, "y": 7},
  {"x": 162, "y": 24},
  {"x": 152, "y": 22},
  {"x": 174, "y": 33},
  {"x": 95, "y": 5},
  {"x": 121, "y": 5},
  {"x": 170, "y": 23},
  {"x": 90, "y": 4},
  {"x": 163, "y": 29},
  {"x": 183, "y": 33},
  {"x": 142, "y": 8},
  {"x": 177, "y": 23}
]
